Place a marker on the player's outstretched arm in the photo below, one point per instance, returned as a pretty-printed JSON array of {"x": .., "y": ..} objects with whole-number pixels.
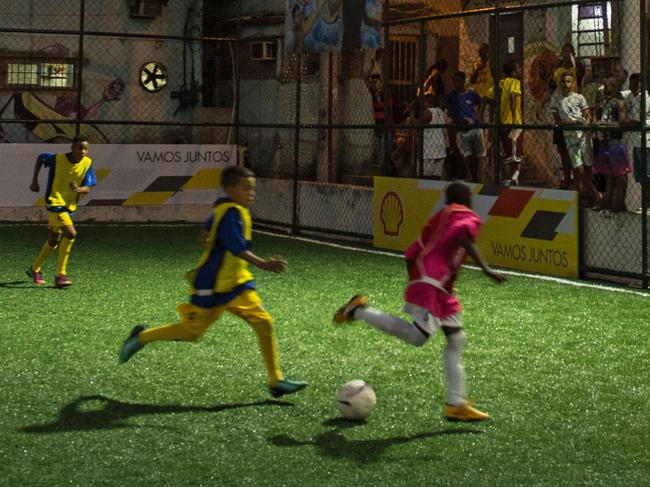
[
  {"x": 475, "y": 254},
  {"x": 37, "y": 169},
  {"x": 272, "y": 264}
]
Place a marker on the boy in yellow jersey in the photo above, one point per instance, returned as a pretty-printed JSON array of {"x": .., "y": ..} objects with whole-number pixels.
[
  {"x": 70, "y": 175},
  {"x": 222, "y": 282},
  {"x": 510, "y": 113}
]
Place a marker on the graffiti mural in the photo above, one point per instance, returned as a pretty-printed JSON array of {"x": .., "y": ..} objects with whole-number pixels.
[{"x": 26, "y": 107}]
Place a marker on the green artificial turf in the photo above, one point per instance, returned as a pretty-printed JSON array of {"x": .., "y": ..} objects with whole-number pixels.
[{"x": 563, "y": 370}]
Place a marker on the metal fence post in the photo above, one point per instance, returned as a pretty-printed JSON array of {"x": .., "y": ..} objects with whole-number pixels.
[
  {"x": 496, "y": 106},
  {"x": 644, "y": 158},
  {"x": 388, "y": 126},
  {"x": 80, "y": 63},
  {"x": 236, "y": 100},
  {"x": 296, "y": 147}
]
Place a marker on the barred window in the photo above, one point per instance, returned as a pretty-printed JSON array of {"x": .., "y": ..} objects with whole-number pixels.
[
  {"x": 37, "y": 74},
  {"x": 403, "y": 76},
  {"x": 592, "y": 29}
]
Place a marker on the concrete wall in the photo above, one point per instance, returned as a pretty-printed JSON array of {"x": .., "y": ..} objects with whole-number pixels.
[{"x": 111, "y": 58}]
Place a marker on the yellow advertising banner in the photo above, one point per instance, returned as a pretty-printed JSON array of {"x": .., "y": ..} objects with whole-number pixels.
[{"x": 529, "y": 229}]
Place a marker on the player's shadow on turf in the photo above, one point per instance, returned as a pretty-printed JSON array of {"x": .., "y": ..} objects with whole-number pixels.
[
  {"x": 334, "y": 444},
  {"x": 26, "y": 285},
  {"x": 103, "y": 413},
  {"x": 18, "y": 285}
]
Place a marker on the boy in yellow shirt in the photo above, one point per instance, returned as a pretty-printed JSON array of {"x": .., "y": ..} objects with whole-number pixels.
[
  {"x": 222, "y": 282},
  {"x": 70, "y": 175},
  {"x": 510, "y": 114}
]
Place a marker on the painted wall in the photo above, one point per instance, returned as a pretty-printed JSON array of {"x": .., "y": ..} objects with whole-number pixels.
[{"x": 111, "y": 86}]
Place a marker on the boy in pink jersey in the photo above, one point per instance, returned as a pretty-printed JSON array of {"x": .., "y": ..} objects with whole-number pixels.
[{"x": 433, "y": 262}]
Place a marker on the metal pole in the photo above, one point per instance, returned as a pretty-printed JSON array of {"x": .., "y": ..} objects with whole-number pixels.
[
  {"x": 496, "y": 106},
  {"x": 388, "y": 109},
  {"x": 644, "y": 156},
  {"x": 236, "y": 73},
  {"x": 80, "y": 63},
  {"x": 296, "y": 146},
  {"x": 331, "y": 173},
  {"x": 421, "y": 75}
]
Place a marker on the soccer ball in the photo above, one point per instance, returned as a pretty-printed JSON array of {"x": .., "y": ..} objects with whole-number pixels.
[{"x": 356, "y": 400}]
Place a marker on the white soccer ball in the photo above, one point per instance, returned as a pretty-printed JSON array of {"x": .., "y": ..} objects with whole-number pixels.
[{"x": 356, "y": 400}]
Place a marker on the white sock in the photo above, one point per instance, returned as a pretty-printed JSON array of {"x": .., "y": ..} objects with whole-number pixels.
[
  {"x": 391, "y": 325},
  {"x": 454, "y": 372}
]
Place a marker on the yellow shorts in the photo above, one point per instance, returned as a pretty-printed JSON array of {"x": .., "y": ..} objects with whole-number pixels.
[
  {"x": 247, "y": 306},
  {"x": 56, "y": 221}
]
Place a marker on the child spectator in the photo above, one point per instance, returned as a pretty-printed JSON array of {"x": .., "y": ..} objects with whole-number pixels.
[
  {"x": 465, "y": 108},
  {"x": 509, "y": 114},
  {"x": 433, "y": 262},
  {"x": 633, "y": 103},
  {"x": 382, "y": 112},
  {"x": 569, "y": 109},
  {"x": 70, "y": 175},
  {"x": 222, "y": 282},
  {"x": 436, "y": 140},
  {"x": 612, "y": 160}
]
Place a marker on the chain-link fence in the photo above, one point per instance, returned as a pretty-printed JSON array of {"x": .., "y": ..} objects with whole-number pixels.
[{"x": 535, "y": 93}]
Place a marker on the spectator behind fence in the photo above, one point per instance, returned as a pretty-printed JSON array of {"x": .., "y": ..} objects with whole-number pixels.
[
  {"x": 570, "y": 64},
  {"x": 612, "y": 160},
  {"x": 436, "y": 140},
  {"x": 482, "y": 79},
  {"x": 633, "y": 104},
  {"x": 570, "y": 109},
  {"x": 382, "y": 116},
  {"x": 510, "y": 113},
  {"x": 465, "y": 107},
  {"x": 433, "y": 83}
]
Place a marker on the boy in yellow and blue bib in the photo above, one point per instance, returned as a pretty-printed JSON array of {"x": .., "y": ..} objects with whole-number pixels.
[
  {"x": 70, "y": 175},
  {"x": 222, "y": 282}
]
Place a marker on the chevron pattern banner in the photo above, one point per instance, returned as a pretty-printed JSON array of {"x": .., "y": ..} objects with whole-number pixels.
[
  {"x": 130, "y": 175},
  {"x": 529, "y": 229}
]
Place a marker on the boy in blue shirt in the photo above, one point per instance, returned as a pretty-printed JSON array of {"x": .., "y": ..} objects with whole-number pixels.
[
  {"x": 222, "y": 282},
  {"x": 465, "y": 107},
  {"x": 70, "y": 175}
]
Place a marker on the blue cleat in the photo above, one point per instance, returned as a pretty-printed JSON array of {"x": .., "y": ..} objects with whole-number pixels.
[
  {"x": 284, "y": 386},
  {"x": 131, "y": 345}
]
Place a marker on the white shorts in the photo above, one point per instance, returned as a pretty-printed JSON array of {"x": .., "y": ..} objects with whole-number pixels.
[
  {"x": 429, "y": 323},
  {"x": 432, "y": 167},
  {"x": 471, "y": 142}
]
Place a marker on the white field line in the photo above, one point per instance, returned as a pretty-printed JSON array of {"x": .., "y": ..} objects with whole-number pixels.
[{"x": 558, "y": 280}]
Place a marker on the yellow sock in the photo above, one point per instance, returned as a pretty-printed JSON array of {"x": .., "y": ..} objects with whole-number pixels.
[
  {"x": 166, "y": 332},
  {"x": 269, "y": 347},
  {"x": 46, "y": 250},
  {"x": 64, "y": 254}
]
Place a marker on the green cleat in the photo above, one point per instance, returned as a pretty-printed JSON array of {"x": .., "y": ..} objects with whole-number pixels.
[
  {"x": 131, "y": 345},
  {"x": 284, "y": 386}
]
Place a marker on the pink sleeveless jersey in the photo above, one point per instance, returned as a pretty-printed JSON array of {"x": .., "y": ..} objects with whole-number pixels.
[{"x": 438, "y": 256}]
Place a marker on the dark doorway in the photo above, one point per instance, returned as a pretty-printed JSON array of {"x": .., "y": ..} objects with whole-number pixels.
[{"x": 509, "y": 40}]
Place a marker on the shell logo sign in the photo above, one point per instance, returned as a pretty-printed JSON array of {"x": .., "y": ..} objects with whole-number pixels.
[
  {"x": 532, "y": 229},
  {"x": 391, "y": 214}
]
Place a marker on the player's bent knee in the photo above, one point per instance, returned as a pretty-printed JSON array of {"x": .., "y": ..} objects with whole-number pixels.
[{"x": 417, "y": 336}]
